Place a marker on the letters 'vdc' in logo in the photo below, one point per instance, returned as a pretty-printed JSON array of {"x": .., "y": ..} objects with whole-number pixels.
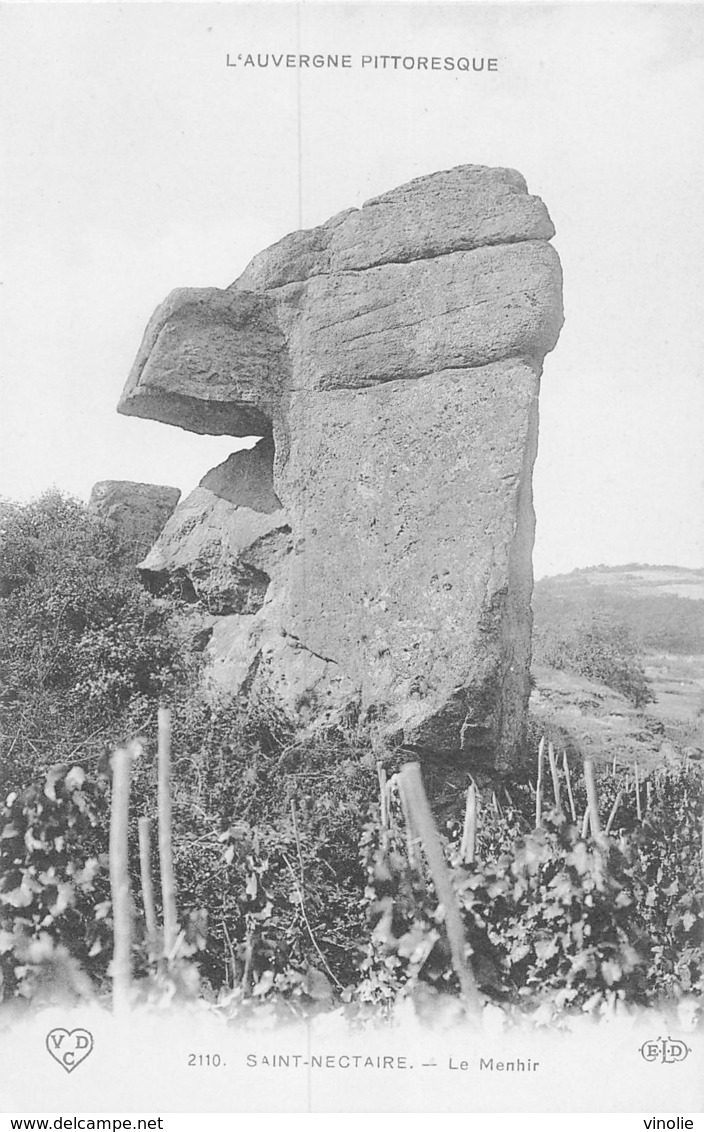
[
  {"x": 667, "y": 1050},
  {"x": 69, "y": 1047}
]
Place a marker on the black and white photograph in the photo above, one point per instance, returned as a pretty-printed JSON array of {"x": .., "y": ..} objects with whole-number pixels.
[{"x": 351, "y": 559}]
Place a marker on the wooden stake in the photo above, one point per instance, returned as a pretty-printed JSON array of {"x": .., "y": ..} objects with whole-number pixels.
[
  {"x": 585, "y": 824},
  {"x": 412, "y": 834},
  {"x": 648, "y": 795},
  {"x": 168, "y": 884},
  {"x": 539, "y": 785},
  {"x": 568, "y": 781},
  {"x": 639, "y": 811},
  {"x": 383, "y": 797},
  {"x": 145, "y": 872},
  {"x": 614, "y": 808},
  {"x": 412, "y": 786},
  {"x": 120, "y": 881},
  {"x": 555, "y": 777},
  {"x": 592, "y": 801},
  {"x": 469, "y": 830}
]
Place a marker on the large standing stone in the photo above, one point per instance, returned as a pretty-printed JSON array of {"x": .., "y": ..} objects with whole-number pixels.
[{"x": 391, "y": 359}]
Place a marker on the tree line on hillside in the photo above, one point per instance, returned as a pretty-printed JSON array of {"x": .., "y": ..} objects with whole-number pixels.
[{"x": 657, "y": 621}]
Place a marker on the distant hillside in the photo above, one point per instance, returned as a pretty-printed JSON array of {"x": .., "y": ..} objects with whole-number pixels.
[{"x": 661, "y": 606}]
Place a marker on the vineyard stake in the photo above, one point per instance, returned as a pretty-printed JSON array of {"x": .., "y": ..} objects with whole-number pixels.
[
  {"x": 570, "y": 795},
  {"x": 539, "y": 785},
  {"x": 614, "y": 808},
  {"x": 412, "y": 834},
  {"x": 469, "y": 831},
  {"x": 412, "y": 786},
  {"x": 120, "y": 881},
  {"x": 639, "y": 811},
  {"x": 593, "y": 802},
  {"x": 145, "y": 872},
  {"x": 166, "y": 862},
  {"x": 383, "y": 798},
  {"x": 555, "y": 776}
]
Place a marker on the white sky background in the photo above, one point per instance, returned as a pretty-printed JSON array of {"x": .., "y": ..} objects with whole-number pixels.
[{"x": 135, "y": 161}]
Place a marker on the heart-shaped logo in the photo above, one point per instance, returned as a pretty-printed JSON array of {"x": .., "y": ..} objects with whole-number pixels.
[{"x": 69, "y": 1047}]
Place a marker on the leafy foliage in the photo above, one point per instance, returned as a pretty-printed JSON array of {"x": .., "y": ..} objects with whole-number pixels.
[
  {"x": 596, "y": 646},
  {"x": 54, "y": 883},
  {"x": 551, "y": 920},
  {"x": 84, "y": 651},
  {"x": 285, "y": 915}
]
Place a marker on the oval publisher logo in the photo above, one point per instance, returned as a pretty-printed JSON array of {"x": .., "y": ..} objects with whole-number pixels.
[{"x": 666, "y": 1050}]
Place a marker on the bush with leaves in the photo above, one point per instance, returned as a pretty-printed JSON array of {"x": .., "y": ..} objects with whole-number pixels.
[
  {"x": 248, "y": 786},
  {"x": 599, "y": 646},
  {"x": 550, "y": 918},
  {"x": 85, "y": 651},
  {"x": 279, "y": 910},
  {"x": 54, "y": 885}
]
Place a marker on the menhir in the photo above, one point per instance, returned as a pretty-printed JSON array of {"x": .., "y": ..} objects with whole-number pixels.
[{"x": 373, "y": 551}]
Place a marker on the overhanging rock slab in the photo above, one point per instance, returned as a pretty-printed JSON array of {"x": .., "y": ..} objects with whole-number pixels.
[{"x": 391, "y": 359}]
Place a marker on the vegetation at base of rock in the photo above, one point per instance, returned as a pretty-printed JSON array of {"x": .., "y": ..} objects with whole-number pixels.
[
  {"x": 85, "y": 652},
  {"x": 293, "y": 896},
  {"x": 553, "y": 920}
]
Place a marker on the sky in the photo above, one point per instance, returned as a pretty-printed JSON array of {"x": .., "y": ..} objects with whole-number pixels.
[{"x": 135, "y": 160}]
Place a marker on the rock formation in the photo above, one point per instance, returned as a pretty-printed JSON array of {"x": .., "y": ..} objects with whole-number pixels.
[
  {"x": 374, "y": 549},
  {"x": 137, "y": 510}
]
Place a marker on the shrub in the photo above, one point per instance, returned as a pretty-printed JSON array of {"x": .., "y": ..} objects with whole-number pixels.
[
  {"x": 54, "y": 886},
  {"x": 83, "y": 648},
  {"x": 599, "y": 647}
]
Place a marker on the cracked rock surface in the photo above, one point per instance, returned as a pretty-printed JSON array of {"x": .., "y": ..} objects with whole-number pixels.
[{"x": 374, "y": 549}]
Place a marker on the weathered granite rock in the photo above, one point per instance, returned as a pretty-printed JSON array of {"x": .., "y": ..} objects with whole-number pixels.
[
  {"x": 413, "y": 528},
  {"x": 455, "y": 210},
  {"x": 224, "y": 540},
  {"x": 211, "y": 362},
  {"x": 138, "y": 510},
  {"x": 391, "y": 359}
]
